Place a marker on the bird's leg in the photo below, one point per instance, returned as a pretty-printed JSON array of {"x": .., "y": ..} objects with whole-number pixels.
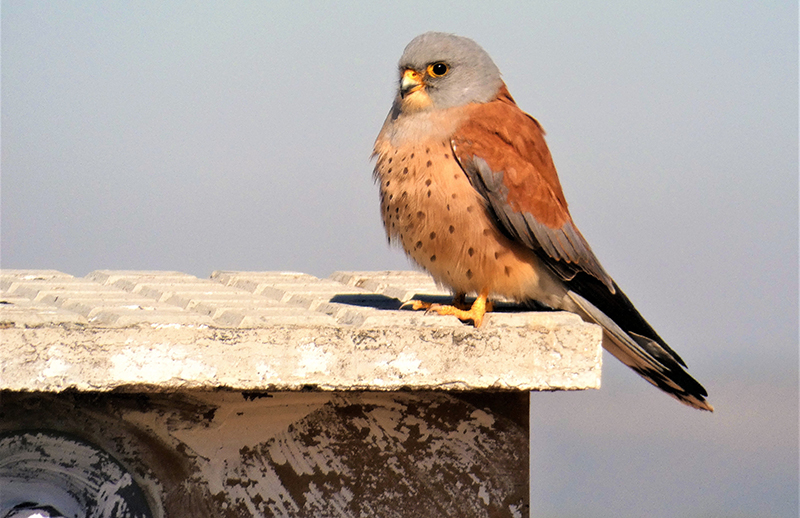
[
  {"x": 460, "y": 301},
  {"x": 458, "y": 309}
]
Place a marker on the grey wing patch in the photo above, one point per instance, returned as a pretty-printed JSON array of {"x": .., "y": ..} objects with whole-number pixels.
[{"x": 566, "y": 244}]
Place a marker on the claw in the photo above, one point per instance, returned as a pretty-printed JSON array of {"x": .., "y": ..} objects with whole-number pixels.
[
  {"x": 458, "y": 309},
  {"x": 432, "y": 308},
  {"x": 416, "y": 305}
]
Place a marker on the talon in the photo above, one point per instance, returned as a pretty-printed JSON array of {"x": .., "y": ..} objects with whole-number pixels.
[
  {"x": 474, "y": 313},
  {"x": 433, "y": 308},
  {"x": 416, "y": 305}
]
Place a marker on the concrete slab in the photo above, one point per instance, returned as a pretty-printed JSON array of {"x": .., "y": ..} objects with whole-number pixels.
[{"x": 167, "y": 331}]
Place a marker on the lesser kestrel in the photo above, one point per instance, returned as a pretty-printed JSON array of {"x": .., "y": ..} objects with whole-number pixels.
[{"x": 469, "y": 189}]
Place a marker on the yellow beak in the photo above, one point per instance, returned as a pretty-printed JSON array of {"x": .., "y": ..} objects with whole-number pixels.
[{"x": 410, "y": 82}]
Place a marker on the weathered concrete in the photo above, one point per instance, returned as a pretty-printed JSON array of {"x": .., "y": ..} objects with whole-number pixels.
[
  {"x": 273, "y": 331},
  {"x": 158, "y": 394},
  {"x": 289, "y": 454}
]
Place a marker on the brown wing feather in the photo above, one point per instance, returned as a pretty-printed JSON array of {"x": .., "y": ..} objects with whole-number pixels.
[{"x": 503, "y": 151}]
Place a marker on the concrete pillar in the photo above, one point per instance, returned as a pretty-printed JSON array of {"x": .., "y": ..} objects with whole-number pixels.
[{"x": 154, "y": 394}]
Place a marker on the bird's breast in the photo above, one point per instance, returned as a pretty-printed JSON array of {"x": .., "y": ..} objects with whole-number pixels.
[{"x": 430, "y": 208}]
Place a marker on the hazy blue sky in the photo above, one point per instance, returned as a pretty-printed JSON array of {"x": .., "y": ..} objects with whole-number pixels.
[{"x": 196, "y": 136}]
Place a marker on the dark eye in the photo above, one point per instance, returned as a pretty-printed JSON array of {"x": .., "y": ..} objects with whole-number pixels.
[{"x": 438, "y": 69}]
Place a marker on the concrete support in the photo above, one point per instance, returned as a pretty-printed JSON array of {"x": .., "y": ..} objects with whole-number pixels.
[
  {"x": 292, "y": 454},
  {"x": 155, "y": 394}
]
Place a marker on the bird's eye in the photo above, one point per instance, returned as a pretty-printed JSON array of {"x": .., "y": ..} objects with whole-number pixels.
[{"x": 438, "y": 69}]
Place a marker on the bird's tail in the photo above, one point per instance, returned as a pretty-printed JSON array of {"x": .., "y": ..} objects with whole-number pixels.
[{"x": 655, "y": 362}]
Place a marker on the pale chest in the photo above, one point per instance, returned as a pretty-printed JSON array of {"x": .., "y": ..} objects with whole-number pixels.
[{"x": 429, "y": 206}]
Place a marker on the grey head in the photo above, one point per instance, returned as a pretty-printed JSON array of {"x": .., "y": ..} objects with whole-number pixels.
[{"x": 471, "y": 76}]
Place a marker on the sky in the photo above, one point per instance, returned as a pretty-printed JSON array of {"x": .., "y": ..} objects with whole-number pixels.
[{"x": 202, "y": 136}]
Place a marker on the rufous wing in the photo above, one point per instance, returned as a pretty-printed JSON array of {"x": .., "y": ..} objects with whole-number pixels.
[{"x": 503, "y": 152}]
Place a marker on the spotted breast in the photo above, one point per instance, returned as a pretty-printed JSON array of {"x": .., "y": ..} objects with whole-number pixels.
[{"x": 431, "y": 209}]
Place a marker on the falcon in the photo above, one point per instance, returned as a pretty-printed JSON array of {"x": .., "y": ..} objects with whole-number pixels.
[{"x": 469, "y": 190}]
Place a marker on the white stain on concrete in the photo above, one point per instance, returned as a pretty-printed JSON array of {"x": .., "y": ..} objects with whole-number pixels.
[
  {"x": 158, "y": 363},
  {"x": 407, "y": 363},
  {"x": 54, "y": 367},
  {"x": 265, "y": 372},
  {"x": 313, "y": 359}
]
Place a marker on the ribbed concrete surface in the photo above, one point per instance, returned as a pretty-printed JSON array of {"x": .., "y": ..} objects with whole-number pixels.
[{"x": 163, "y": 331}]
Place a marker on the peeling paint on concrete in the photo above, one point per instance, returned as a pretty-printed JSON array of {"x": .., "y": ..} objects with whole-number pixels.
[
  {"x": 63, "y": 474},
  {"x": 299, "y": 454},
  {"x": 190, "y": 361}
]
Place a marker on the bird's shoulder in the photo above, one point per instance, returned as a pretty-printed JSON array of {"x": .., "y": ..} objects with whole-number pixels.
[{"x": 510, "y": 141}]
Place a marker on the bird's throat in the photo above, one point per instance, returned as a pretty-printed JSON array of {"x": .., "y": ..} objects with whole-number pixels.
[{"x": 415, "y": 101}]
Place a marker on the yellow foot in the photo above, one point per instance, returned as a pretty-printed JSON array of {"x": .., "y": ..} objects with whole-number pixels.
[
  {"x": 459, "y": 301},
  {"x": 458, "y": 309}
]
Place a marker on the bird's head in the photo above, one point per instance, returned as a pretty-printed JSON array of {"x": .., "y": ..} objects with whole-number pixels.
[{"x": 439, "y": 70}]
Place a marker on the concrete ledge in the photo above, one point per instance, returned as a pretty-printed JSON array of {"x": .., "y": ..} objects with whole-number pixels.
[
  {"x": 110, "y": 391},
  {"x": 167, "y": 331}
]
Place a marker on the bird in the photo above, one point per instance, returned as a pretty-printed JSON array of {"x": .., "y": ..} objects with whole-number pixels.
[{"x": 469, "y": 190}]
